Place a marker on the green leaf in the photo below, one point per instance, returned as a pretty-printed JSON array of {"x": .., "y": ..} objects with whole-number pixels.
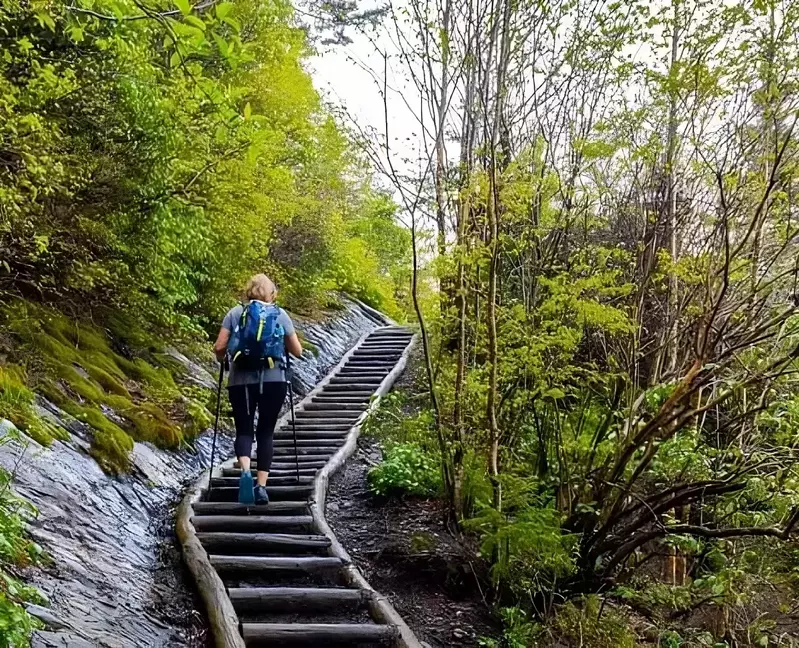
[
  {"x": 235, "y": 24},
  {"x": 221, "y": 43},
  {"x": 45, "y": 20},
  {"x": 184, "y": 6},
  {"x": 247, "y": 110},
  {"x": 223, "y": 9},
  {"x": 175, "y": 60},
  {"x": 194, "y": 21}
]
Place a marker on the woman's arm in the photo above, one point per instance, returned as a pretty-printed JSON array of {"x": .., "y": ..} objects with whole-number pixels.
[
  {"x": 293, "y": 345},
  {"x": 220, "y": 346}
]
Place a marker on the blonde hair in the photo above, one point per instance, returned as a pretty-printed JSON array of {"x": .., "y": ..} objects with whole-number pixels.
[{"x": 260, "y": 287}]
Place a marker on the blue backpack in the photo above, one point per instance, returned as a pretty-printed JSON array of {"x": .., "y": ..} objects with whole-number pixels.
[{"x": 257, "y": 342}]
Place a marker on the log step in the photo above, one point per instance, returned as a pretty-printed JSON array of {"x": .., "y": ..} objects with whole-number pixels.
[
  {"x": 306, "y": 432},
  {"x": 306, "y": 443},
  {"x": 326, "y": 398},
  {"x": 302, "y": 459},
  {"x": 279, "y": 599},
  {"x": 350, "y": 387},
  {"x": 276, "y": 493},
  {"x": 335, "y": 405},
  {"x": 324, "y": 422},
  {"x": 287, "y": 464},
  {"x": 235, "y": 472},
  {"x": 234, "y": 508},
  {"x": 230, "y": 542},
  {"x": 321, "y": 448},
  {"x": 327, "y": 413},
  {"x": 221, "y": 482},
  {"x": 316, "y": 634},
  {"x": 347, "y": 380},
  {"x": 366, "y": 395},
  {"x": 290, "y": 465},
  {"x": 254, "y": 523},
  {"x": 252, "y": 564}
]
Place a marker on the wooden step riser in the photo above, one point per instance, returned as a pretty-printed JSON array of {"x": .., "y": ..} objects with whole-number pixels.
[
  {"x": 320, "y": 449},
  {"x": 254, "y": 523},
  {"x": 327, "y": 413},
  {"x": 256, "y": 564},
  {"x": 303, "y": 459},
  {"x": 288, "y": 466},
  {"x": 335, "y": 406},
  {"x": 349, "y": 388},
  {"x": 296, "y": 634},
  {"x": 328, "y": 428},
  {"x": 293, "y": 599},
  {"x": 276, "y": 493},
  {"x": 305, "y": 442},
  {"x": 226, "y": 482},
  {"x": 234, "y": 508},
  {"x": 292, "y": 472},
  {"x": 227, "y": 543}
]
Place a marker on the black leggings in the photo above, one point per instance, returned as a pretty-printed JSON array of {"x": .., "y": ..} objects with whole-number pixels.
[{"x": 268, "y": 399}]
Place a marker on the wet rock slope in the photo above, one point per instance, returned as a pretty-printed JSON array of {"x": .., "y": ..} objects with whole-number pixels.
[{"x": 115, "y": 580}]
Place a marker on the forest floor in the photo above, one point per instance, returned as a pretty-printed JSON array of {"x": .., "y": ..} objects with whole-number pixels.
[{"x": 405, "y": 552}]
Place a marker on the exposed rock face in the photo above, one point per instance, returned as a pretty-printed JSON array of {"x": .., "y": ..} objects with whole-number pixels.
[{"x": 116, "y": 578}]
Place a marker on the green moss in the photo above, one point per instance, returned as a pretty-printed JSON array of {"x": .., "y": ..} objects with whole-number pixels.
[
  {"x": 159, "y": 381},
  {"x": 151, "y": 424},
  {"x": 105, "y": 361},
  {"x": 107, "y": 381},
  {"x": 84, "y": 388},
  {"x": 111, "y": 446},
  {"x": 308, "y": 346},
  {"x": 199, "y": 419},
  {"x": 16, "y": 405},
  {"x": 83, "y": 372}
]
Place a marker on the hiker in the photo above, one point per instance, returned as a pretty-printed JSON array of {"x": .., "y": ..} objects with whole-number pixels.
[{"x": 255, "y": 338}]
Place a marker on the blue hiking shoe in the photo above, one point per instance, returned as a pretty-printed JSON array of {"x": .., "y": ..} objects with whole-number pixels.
[
  {"x": 261, "y": 496},
  {"x": 246, "y": 495}
]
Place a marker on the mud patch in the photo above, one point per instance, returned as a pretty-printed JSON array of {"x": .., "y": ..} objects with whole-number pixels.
[{"x": 406, "y": 553}]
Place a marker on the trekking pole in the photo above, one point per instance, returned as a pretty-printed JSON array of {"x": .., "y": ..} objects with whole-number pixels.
[
  {"x": 216, "y": 421},
  {"x": 291, "y": 405}
]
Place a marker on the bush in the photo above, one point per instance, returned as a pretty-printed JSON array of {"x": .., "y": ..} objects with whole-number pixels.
[
  {"x": 16, "y": 625},
  {"x": 406, "y": 468}
]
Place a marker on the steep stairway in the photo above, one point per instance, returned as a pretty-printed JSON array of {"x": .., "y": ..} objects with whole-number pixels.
[{"x": 276, "y": 575}]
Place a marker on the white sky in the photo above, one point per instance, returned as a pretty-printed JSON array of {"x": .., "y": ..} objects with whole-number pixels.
[{"x": 341, "y": 73}]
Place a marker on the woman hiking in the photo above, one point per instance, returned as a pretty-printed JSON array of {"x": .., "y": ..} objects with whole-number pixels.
[{"x": 256, "y": 337}]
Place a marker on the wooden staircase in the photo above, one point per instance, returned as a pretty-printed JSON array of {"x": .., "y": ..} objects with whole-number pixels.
[{"x": 276, "y": 575}]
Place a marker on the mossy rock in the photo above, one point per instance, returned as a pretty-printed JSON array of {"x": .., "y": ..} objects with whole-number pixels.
[
  {"x": 16, "y": 405},
  {"x": 199, "y": 419},
  {"x": 107, "y": 381},
  {"x": 84, "y": 372},
  {"x": 307, "y": 345}
]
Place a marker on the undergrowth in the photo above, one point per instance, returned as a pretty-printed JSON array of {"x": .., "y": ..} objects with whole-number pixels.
[
  {"x": 16, "y": 552},
  {"x": 410, "y": 464}
]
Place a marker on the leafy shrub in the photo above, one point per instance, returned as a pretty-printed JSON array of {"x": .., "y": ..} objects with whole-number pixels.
[
  {"x": 588, "y": 624},
  {"x": 16, "y": 625},
  {"x": 406, "y": 468}
]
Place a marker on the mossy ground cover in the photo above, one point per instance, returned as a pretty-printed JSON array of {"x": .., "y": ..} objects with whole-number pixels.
[{"x": 123, "y": 392}]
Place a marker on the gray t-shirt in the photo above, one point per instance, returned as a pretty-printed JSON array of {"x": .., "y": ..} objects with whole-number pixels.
[{"x": 254, "y": 377}]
